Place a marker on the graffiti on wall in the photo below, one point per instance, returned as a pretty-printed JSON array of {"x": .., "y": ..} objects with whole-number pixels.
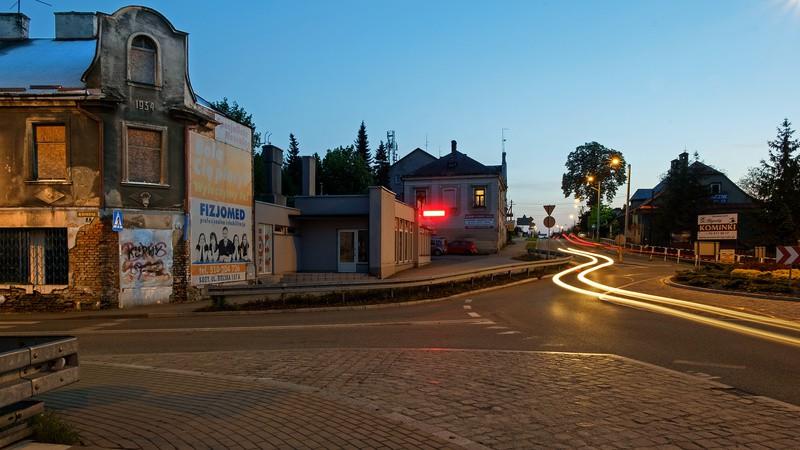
[{"x": 145, "y": 258}]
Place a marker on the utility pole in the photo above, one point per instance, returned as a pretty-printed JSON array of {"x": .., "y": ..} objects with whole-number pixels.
[{"x": 627, "y": 208}]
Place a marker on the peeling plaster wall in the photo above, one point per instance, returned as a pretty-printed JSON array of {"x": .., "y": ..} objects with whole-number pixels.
[
  {"x": 82, "y": 188},
  {"x": 141, "y": 104}
]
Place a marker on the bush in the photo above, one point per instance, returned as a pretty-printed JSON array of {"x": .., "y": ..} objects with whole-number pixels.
[{"x": 49, "y": 428}]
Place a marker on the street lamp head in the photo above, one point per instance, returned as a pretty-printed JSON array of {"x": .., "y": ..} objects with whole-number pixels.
[
  {"x": 590, "y": 178},
  {"x": 615, "y": 161}
]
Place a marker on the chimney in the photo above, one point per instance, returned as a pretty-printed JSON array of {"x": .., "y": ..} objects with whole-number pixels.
[
  {"x": 76, "y": 25},
  {"x": 453, "y": 146},
  {"x": 309, "y": 165},
  {"x": 273, "y": 162},
  {"x": 14, "y": 26}
]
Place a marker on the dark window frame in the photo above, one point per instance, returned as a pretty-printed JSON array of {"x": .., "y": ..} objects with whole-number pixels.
[{"x": 479, "y": 201}]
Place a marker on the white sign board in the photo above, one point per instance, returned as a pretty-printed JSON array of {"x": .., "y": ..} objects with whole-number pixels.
[
  {"x": 479, "y": 221},
  {"x": 716, "y": 227}
]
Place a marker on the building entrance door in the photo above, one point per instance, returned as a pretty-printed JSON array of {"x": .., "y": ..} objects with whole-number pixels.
[
  {"x": 353, "y": 250},
  {"x": 347, "y": 250}
]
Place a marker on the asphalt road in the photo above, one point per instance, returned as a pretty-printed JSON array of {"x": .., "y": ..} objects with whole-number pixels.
[{"x": 538, "y": 315}]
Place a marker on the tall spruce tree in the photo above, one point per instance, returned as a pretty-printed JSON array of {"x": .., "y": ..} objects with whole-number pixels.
[
  {"x": 775, "y": 182},
  {"x": 292, "y": 168},
  {"x": 362, "y": 144},
  {"x": 380, "y": 169}
]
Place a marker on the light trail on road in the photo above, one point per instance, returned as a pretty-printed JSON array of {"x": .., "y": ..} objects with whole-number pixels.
[{"x": 642, "y": 301}]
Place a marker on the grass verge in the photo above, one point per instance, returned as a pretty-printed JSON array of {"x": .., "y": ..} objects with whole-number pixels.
[
  {"x": 49, "y": 428},
  {"x": 725, "y": 277},
  {"x": 379, "y": 296}
]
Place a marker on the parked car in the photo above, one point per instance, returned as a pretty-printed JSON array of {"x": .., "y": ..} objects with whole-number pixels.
[
  {"x": 461, "y": 247},
  {"x": 438, "y": 246}
]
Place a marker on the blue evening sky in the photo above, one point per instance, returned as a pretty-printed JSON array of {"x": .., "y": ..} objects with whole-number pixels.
[{"x": 648, "y": 78}]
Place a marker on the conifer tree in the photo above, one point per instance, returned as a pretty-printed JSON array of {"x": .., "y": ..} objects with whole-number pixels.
[{"x": 381, "y": 167}]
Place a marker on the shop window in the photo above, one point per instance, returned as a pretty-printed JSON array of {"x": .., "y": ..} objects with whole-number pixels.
[
  {"x": 145, "y": 154},
  {"x": 34, "y": 256},
  {"x": 49, "y": 152},
  {"x": 479, "y": 197},
  {"x": 143, "y": 61}
]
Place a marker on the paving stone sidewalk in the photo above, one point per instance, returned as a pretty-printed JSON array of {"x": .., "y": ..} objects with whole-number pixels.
[{"x": 411, "y": 398}]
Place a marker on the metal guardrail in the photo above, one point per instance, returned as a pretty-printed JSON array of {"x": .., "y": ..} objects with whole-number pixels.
[
  {"x": 260, "y": 291},
  {"x": 31, "y": 366}
]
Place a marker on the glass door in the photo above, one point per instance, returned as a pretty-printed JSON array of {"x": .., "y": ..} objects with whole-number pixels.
[{"x": 347, "y": 250}]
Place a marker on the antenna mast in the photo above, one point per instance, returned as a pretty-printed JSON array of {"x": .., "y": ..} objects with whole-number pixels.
[{"x": 391, "y": 143}]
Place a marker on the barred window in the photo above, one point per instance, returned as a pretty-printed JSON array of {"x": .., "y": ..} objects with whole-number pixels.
[
  {"x": 34, "y": 256},
  {"x": 49, "y": 152}
]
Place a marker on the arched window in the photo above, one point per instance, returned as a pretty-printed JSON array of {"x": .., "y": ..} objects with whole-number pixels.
[{"x": 143, "y": 60}]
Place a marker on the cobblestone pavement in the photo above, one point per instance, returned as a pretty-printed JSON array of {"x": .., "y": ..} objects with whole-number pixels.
[
  {"x": 411, "y": 398},
  {"x": 782, "y": 309}
]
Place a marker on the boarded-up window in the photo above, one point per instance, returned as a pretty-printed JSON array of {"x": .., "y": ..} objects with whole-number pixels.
[
  {"x": 144, "y": 155},
  {"x": 143, "y": 60},
  {"x": 50, "y": 152}
]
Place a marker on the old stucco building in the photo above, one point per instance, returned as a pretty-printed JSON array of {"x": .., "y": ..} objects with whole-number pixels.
[{"x": 94, "y": 121}]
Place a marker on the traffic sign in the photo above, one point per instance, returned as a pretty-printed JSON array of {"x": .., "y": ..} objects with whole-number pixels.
[
  {"x": 786, "y": 254},
  {"x": 549, "y": 209},
  {"x": 549, "y": 222},
  {"x": 116, "y": 220}
]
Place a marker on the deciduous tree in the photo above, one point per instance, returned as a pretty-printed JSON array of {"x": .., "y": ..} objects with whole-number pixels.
[{"x": 593, "y": 159}]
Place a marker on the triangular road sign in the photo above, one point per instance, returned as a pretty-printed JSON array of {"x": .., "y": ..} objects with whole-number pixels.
[{"x": 549, "y": 209}]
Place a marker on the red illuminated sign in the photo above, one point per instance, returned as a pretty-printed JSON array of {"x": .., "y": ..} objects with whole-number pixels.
[{"x": 433, "y": 213}]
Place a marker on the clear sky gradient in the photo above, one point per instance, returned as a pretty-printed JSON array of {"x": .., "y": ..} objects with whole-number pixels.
[{"x": 648, "y": 78}]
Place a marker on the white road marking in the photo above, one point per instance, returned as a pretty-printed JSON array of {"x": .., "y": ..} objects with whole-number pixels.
[
  {"x": 497, "y": 327},
  {"x": 708, "y": 364},
  {"x": 473, "y": 314},
  {"x": 6, "y": 326},
  {"x": 509, "y": 332},
  {"x": 467, "y": 307},
  {"x": 552, "y": 344},
  {"x": 469, "y": 300},
  {"x": 584, "y": 269},
  {"x": 17, "y": 322},
  {"x": 254, "y": 328},
  {"x": 102, "y": 325}
]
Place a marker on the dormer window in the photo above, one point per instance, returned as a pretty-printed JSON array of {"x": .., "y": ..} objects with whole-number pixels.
[{"x": 143, "y": 61}]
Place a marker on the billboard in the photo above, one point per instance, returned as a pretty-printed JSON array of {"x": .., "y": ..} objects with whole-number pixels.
[
  {"x": 220, "y": 203},
  {"x": 717, "y": 227}
]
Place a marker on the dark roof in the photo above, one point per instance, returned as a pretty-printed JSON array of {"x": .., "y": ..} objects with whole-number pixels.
[
  {"x": 418, "y": 152},
  {"x": 703, "y": 169},
  {"x": 642, "y": 194},
  {"x": 45, "y": 62},
  {"x": 455, "y": 164}
]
